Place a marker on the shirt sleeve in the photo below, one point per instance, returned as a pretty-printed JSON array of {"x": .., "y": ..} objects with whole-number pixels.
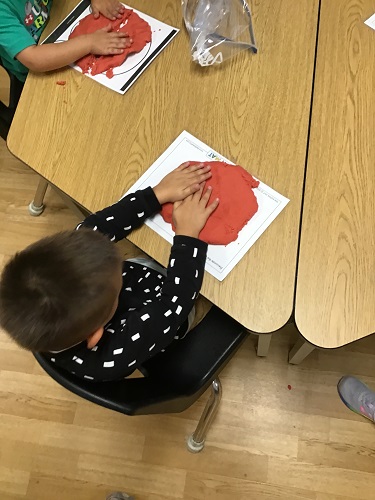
[
  {"x": 14, "y": 37},
  {"x": 118, "y": 220},
  {"x": 147, "y": 330}
]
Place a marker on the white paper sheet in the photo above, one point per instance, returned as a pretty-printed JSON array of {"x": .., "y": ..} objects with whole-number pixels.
[
  {"x": 371, "y": 22},
  {"x": 126, "y": 74},
  {"x": 220, "y": 259}
]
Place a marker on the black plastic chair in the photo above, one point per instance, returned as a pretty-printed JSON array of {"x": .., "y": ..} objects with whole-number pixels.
[
  {"x": 173, "y": 380},
  {"x": 7, "y": 112}
]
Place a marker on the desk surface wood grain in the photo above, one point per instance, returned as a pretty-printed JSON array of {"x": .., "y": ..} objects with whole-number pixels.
[
  {"x": 336, "y": 275},
  {"x": 94, "y": 144}
]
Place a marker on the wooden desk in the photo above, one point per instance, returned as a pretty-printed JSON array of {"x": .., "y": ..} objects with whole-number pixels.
[
  {"x": 93, "y": 143},
  {"x": 336, "y": 271}
]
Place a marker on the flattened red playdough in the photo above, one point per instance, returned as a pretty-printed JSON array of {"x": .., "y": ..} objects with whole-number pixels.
[
  {"x": 137, "y": 29},
  {"x": 234, "y": 187}
]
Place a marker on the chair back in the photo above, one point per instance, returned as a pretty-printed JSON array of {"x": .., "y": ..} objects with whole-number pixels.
[
  {"x": 7, "y": 111},
  {"x": 173, "y": 380}
]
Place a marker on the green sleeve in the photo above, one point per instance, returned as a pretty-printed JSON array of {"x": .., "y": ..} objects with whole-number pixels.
[{"x": 14, "y": 36}]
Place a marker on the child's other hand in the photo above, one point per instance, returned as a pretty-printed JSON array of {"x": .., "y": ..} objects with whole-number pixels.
[
  {"x": 105, "y": 42},
  {"x": 182, "y": 182},
  {"x": 191, "y": 214},
  {"x": 111, "y": 9}
]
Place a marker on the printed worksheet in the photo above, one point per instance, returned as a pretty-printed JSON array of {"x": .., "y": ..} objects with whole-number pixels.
[
  {"x": 134, "y": 65},
  {"x": 221, "y": 259}
]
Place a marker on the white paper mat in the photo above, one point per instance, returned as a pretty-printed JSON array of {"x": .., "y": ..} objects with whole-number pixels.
[
  {"x": 134, "y": 65},
  {"x": 220, "y": 259}
]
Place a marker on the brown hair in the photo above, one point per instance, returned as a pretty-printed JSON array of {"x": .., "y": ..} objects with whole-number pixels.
[{"x": 57, "y": 291}]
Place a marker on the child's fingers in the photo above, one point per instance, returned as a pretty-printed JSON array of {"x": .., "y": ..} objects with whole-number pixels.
[
  {"x": 121, "y": 34},
  {"x": 197, "y": 166},
  {"x": 206, "y": 197},
  {"x": 176, "y": 204},
  {"x": 121, "y": 43},
  {"x": 120, "y": 39},
  {"x": 198, "y": 185},
  {"x": 107, "y": 29},
  {"x": 189, "y": 198},
  {"x": 117, "y": 6},
  {"x": 202, "y": 177},
  {"x": 114, "y": 14},
  {"x": 118, "y": 44},
  {"x": 112, "y": 52},
  {"x": 192, "y": 189},
  {"x": 212, "y": 207},
  {"x": 107, "y": 12},
  {"x": 199, "y": 170},
  {"x": 198, "y": 194},
  {"x": 183, "y": 166},
  {"x": 111, "y": 12},
  {"x": 201, "y": 174}
]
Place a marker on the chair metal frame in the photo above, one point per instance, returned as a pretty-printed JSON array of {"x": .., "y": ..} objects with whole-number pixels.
[{"x": 174, "y": 379}]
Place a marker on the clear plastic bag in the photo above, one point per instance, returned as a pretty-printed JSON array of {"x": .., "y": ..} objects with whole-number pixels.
[{"x": 218, "y": 29}]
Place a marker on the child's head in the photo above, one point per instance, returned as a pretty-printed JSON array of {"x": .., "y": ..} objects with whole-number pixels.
[{"x": 61, "y": 290}]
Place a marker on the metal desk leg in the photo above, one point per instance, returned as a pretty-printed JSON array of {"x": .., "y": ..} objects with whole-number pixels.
[
  {"x": 263, "y": 345},
  {"x": 36, "y": 206},
  {"x": 300, "y": 351}
]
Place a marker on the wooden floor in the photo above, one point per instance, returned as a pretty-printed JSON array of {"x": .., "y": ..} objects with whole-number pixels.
[{"x": 267, "y": 442}]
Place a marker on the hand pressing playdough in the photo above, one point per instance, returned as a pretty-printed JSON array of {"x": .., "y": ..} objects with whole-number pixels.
[
  {"x": 234, "y": 188},
  {"x": 138, "y": 30}
]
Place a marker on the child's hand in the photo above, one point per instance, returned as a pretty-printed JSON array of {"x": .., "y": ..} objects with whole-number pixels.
[
  {"x": 191, "y": 214},
  {"x": 105, "y": 42},
  {"x": 182, "y": 182},
  {"x": 109, "y": 8}
]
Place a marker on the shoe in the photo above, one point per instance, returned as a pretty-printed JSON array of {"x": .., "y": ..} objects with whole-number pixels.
[
  {"x": 357, "y": 396},
  {"x": 117, "y": 495}
]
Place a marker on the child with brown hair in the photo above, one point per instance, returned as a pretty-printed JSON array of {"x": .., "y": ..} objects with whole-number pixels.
[{"x": 71, "y": 297}]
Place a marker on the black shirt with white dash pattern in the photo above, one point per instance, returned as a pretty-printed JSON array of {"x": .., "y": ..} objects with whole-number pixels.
[{"x": 151, "y": 307}]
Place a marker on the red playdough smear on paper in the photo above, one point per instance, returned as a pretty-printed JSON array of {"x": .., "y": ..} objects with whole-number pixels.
[
  {"x": 137, "y": 29},
  {"x": 234, "y": 187}
]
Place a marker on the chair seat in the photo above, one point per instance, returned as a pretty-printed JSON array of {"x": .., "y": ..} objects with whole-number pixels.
[{"x": 174, "y": 379}]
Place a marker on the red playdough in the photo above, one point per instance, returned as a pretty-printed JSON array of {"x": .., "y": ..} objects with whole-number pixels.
[
  {"x": 137, "y": 29},
  {"x": 234, "y": 187}
]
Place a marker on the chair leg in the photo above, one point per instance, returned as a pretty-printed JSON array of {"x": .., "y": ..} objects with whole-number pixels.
[
  {"x": 195, "y": 442},
  {"x": 36, "y": 207}
]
